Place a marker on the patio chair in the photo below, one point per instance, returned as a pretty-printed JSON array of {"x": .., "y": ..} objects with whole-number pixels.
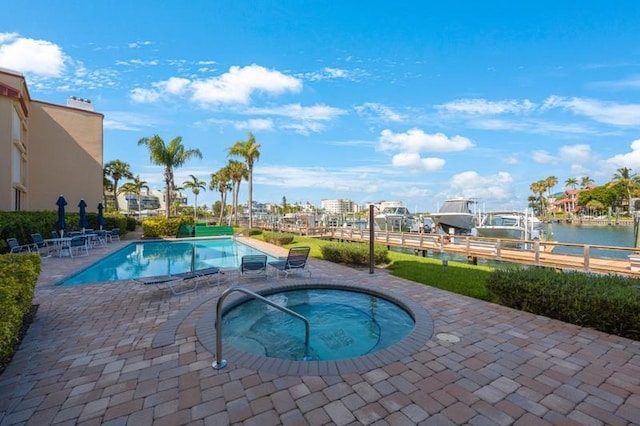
[
  {"x": 40, "y": 245},
  {"x": 296, "y": 261},
  {"x": 174, "y": 281},
  {"x": 78, "y": 244},
  {"x": 16, "y": 247},
  {"x": 253, "y": 266},
  {"x": 114, "y": 234}
]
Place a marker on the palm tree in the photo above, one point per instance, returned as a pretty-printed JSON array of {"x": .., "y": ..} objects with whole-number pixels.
[
  {"x": 117, "y": 169},
  {"x": 585, "y": 181},
  {"x": 571, "y": 183},
  {"x": 107, "y": 186},
  {"x": 628, "y": 181},
  {"x": 250, "y": 151},
  {"x": 136, "y": 188},
  {"x": 170, "y": 156},
  {"x": 195, "y": 185},
  {"x": 237, "y": 172},
  {"x": 220, "y": 182},
  {"x": 538, "y": 188}
]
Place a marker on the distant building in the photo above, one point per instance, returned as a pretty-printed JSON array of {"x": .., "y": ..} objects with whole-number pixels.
[
  {"x": 47, "y": 149},
  {"x": 338, "y": 206}
]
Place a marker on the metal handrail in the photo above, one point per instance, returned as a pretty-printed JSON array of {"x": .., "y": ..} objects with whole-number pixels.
[{"x": 221, "y": 363}]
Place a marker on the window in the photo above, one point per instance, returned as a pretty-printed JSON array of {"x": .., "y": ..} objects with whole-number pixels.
[
  {"x": 16, "y": 132},
  {"x": 17, "y": 199}
]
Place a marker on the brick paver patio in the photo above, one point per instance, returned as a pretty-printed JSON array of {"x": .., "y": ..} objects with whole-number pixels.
[{"x": 122, "y": 353}]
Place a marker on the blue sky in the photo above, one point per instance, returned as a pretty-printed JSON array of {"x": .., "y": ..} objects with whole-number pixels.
[{"x": 411, "y": 101}]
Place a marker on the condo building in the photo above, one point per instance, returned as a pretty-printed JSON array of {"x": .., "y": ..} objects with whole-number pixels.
[{"x": 47, "y": 150}]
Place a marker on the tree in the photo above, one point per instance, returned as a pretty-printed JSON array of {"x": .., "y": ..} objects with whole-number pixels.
[
  {"x": 585, "y": 181},
  {"x": 571, "y": 183},
  {"x": 237, "y": 173},
  {"x": 538, "y": 188},
  {"x": 171, "y": 157},
  {"x": 136, "y": 188},
  {"x": 627, "y": 181},
  {"x": 117, "y": 169},
  {"x": 550, "y": 182},
  {"x": 220, "y": 182},
  {"x": 250, "y": 151},
  {"x": 195, "y": 185},
  {"x": 107, "y": 186}
]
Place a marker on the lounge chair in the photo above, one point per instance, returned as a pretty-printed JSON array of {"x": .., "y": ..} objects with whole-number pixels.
[
  {"x": 173, "y": 281},
  {"x": 16, "y": 247},
  {"x": 296, "y": 260},
  {"x": 253, "y": 266}
]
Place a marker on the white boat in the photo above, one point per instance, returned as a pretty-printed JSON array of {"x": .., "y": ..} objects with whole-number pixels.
[
  {"x": 456, "y": 214},
  {"x": 510, "y": 224},
  {"x": 396, "y": 219}
]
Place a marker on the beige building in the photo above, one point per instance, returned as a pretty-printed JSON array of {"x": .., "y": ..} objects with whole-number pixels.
[{"x": 47, "y": 150}]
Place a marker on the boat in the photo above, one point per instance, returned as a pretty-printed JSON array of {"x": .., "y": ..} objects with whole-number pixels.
[
  {"x": 512, "y": 225},
  {"x": 456, "y": 215},
  {"x": 396, "y": 219}
]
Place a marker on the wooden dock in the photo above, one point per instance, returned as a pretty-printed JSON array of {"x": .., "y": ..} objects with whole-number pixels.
[{"x": 538, "y": 253}]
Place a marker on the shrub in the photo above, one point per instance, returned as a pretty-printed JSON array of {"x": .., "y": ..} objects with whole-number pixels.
[
  {"x": 278, "y": 238},
  {"x": 159, "y": 226},
  {"x": 354, "y": 253},
  {"x": 18, "y": 277},
  {"x": 249, "y": 232},
  {"x": 608, "y": 303}
]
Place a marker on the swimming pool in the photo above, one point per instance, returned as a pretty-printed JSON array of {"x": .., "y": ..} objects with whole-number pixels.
[
  {"x": 343, "y": 324},
  {"x": 154, "y": 258}
]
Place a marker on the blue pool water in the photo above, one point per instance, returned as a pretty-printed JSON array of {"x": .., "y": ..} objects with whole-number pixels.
[
  {"x": 343, "y": 324},
  {"x": 149, "y": 259}
]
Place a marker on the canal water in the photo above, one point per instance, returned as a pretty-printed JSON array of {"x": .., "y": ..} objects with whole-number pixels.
[{"x": 602, "y": 235}]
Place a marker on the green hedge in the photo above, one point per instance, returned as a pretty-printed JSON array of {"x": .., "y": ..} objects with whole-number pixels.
[
  {"x": 160, "y": 226},
  {"x": 278, "y": 238},
  {"x": 18, "y": 277},
  {"x": 249, "y": 232},
  {"x": 21, "y": 225},
  {"x": 354, "y": 253},
  {"x": 608, "y": 303}
]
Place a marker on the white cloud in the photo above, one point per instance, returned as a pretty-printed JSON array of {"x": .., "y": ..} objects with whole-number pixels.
[
  {"x": 137, "y": 44},
  {"x": 413, "y": 161},
  {"x": 415, "y": 140},
  {"x": 601, "y": 111},
  {"x": 299, "y": 112},
  {"x": 254, "y": 125},
  {"x": 144, "y": 95},
  {"x": 483, "y": 106},
  {"x": 174, "y": 85},
  {"x": 579, "y": 153},
  {"x": 329, "y": 73},
  {"x": 629, "y": 159},
  {"x": 239, "y": 83},
  {"x": 28, "y": 55},
  {"x": 544, "y": 157},
  {"x": 489, "y": 188},
  {"x": 378, "y": 112}
]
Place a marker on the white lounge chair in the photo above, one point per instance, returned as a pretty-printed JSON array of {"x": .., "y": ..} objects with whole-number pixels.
[
  {"x": 253, "y": 266},
  {"x": 174, "y": 281},
  {"x": 296, "y": 261}
]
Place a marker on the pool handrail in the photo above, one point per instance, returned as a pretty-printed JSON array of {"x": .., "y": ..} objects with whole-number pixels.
[{"x": 220, "y": 363}]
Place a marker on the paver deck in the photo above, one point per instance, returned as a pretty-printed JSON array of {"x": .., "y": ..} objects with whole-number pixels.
[{"x": 122, "y": 353}]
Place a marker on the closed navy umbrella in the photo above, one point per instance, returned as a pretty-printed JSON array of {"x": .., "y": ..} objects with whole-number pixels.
[
  {"x": 61, "y": 224},
  {"x": 101, "y": 221},
  {"x": 83, "y": 215}
]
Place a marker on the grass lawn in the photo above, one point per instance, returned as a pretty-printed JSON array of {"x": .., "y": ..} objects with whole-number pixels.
[{"x": 458, "y": 277}]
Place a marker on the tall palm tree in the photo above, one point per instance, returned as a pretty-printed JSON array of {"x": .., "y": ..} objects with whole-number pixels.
[
  {"x": 571, "y": 183},
  {"x": 237, "y": 172},
  {"x": 136, "y": 188},
  {"x": 250, "y": 151},
  {"x": 220, "y": 182},
  {"x": 585, "y": 181},
  {"x": 170, "y": 156},
  {"x": 117, "y": 169},
  {"x": 107, "y": 186},
  {"x": 628, "y": 181},
  {"x": 195, "y": 185},
  {"x": 538, "y": 188}
]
